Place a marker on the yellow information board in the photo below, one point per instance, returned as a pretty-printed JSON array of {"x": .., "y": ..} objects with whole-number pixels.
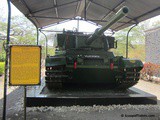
[{"x": 25, "y": 65}]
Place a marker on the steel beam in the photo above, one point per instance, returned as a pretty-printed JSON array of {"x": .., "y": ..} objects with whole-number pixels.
[
  {"x": 82, "y": 8},
  {"x": 25, "y": 4},
  {"x": 56, "y": 9},
  {"x": 61, "y": 18}
]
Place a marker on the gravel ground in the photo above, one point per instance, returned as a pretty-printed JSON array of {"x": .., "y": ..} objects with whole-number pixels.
[{"x": 111, "y": 112}]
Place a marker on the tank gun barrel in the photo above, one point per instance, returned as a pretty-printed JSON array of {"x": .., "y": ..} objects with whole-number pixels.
[{"x": 98, "y": 32}]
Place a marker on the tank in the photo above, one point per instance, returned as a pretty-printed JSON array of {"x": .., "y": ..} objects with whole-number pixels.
[{"x": 86, "y": 60}]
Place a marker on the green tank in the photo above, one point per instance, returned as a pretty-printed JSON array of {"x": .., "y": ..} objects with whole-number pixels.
[{"x": 86, "y": 60}]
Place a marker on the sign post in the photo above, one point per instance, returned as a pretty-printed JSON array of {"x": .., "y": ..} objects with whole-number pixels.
[{"x": 25, "y": 67}]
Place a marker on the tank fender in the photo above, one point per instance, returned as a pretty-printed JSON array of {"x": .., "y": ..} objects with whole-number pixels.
[
  {"x": 132, "y": 63},
  {"x": 55, "y": 60}
]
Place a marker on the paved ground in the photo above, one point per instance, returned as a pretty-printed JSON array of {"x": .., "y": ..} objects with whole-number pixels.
[
  {"x": 150, "y": 88},
  {"x": 112, "y": 112}
]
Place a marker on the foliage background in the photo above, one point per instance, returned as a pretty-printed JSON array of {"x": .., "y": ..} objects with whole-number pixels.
[{"x": 1, "y": 68}]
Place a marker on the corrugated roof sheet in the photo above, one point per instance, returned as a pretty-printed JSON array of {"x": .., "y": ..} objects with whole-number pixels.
[{"x": 46, "y": 12}]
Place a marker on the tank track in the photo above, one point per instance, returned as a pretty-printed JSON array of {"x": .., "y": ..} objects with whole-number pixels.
[
  {"x": 55, "y": 76},
  {"x": 128, "y": 78}
]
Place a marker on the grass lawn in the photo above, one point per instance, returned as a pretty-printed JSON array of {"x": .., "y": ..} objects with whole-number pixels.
[{"x": 1, "y": 68}]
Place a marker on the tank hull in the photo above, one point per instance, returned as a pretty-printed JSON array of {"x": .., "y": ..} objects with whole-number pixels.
[
  {"x": 92, "y": 75},
  {"x": 123, "y": 74}
]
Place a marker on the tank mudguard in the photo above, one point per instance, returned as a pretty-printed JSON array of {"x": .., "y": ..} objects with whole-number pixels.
[
  {"x": 132, "y": 63},
  {"x": 55, "y": 61}
]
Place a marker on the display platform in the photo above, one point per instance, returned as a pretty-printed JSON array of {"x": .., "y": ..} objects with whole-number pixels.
[{"x": 41, "y": 96}]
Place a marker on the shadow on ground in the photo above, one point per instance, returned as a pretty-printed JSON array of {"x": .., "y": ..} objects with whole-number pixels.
[{"x": 12, "y": 99}]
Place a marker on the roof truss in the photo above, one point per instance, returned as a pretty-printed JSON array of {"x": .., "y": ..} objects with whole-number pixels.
[{"x": 46, "y": 12}]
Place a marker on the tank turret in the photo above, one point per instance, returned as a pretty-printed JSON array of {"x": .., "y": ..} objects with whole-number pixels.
[{"x": 98, "y": 32}]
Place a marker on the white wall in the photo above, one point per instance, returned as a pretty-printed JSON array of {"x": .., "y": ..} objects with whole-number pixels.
[{"x": 153, "y": 45}]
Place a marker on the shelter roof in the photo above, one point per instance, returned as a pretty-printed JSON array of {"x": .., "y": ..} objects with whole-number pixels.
[{"x": 47, "y": 12}]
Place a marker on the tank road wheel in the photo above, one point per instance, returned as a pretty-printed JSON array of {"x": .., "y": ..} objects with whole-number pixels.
[
  {"x": 128, "y": 79},
  {"x": 55, "y": 76},
  {"x": 53, "y": 85}
]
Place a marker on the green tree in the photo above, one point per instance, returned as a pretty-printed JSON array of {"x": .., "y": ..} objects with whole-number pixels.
[
  {"x": 136, "y": 42},
  {"x": 23, "y": 31}
]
